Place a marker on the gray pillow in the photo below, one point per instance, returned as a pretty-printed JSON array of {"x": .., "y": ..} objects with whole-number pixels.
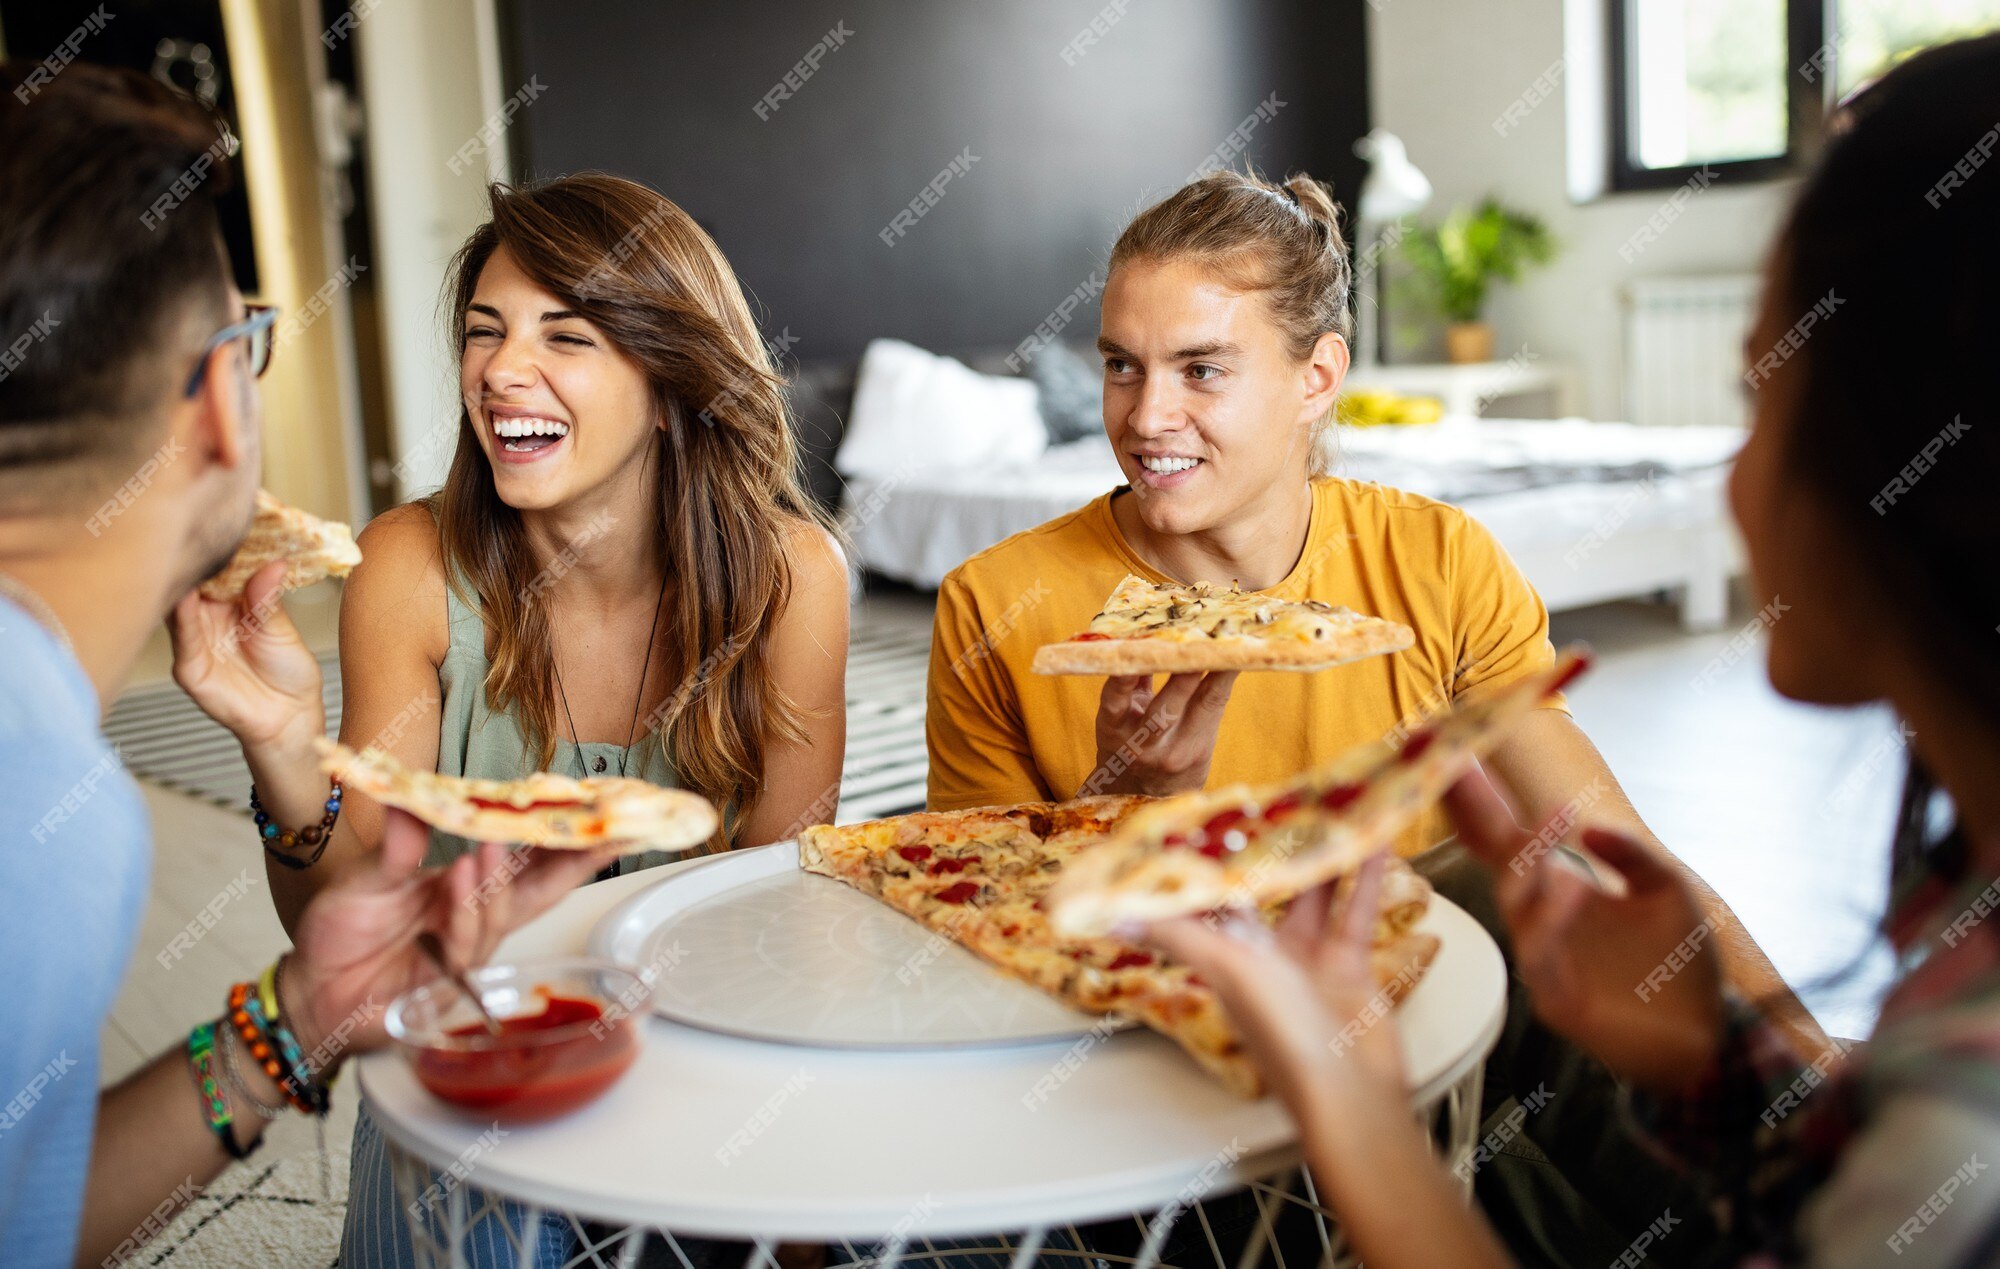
[{"x": 1072, "y": 400}]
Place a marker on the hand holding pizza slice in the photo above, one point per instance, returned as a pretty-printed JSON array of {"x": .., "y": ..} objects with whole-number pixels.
[
  {"x": 314, "y": 549},
  {"x": 1244, "y": 847},
  {"x": 544, "y": 809}
]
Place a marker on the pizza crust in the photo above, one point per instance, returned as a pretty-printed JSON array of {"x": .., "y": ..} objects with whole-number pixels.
[{"x": 314, "y": 550}]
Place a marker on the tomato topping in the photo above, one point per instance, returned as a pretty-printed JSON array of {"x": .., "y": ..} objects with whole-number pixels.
[
  {"x": 1339, "y": 795},
  {"x": 1224, "y": 821},
  {"x": 494, "y": 804},
  {"x": 915, "y": 854},
  {"x": 947, "y": 865},
  {"x": 1174, "y": 841},
  {"x": 1282, "y": 805},
  {"x": 1214, "y": 850},
  {"x": 1131, "y": 960},
  {"x": 1087, "y": 636},
  {"x": 1414, "y": 747},
  {"x": 958, "y": 893},
  {"x": 1009, "y": 931}
]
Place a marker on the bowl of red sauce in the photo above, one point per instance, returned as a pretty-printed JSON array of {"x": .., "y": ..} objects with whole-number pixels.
[{"x": 570, "y": 1026}]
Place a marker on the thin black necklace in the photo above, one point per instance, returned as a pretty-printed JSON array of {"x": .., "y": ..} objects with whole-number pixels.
[{"x": 645, "y": 671}]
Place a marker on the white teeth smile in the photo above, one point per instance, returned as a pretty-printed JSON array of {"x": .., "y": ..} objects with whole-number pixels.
[
  {"x": 1167, "y": 466},
  {"x": 527, "y": 426}
]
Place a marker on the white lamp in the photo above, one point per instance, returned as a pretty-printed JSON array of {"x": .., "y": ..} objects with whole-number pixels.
[{"x": 1393, "y": 189}]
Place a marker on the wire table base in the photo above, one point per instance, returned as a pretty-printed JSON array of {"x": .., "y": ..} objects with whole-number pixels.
[{"x": 443, "y": 1227}]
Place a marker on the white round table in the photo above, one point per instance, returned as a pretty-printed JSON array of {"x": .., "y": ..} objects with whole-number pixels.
[{"x": 726, "y": 1137}]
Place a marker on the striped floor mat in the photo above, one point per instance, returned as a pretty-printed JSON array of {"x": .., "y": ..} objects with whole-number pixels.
[{"x": 164, "y": 738}]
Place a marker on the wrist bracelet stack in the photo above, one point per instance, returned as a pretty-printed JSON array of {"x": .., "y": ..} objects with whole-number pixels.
[
  {"x": 277, "y": 840},
  {"x": 214, "y": 1106},
  {"x": 256, "y": 1032},
  {"x": 273, "y": 1047}
]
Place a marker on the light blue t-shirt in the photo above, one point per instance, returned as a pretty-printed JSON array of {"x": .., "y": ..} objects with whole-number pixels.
[{"x": 74, "y": 861}]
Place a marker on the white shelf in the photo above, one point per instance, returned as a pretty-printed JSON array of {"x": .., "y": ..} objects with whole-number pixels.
[{"x": 1468, "y": 389}]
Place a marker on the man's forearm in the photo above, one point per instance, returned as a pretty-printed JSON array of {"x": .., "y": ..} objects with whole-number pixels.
[
  {"x": 153, "y": 1152},
  {"x": 293, "y": 792},
  {"x": 288, "y": 780}
]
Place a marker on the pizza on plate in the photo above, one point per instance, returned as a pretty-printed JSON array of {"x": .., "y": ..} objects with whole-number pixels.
[
  {"x": 979, "y": 878},
  {"x": 544, "y": 809},
  {"x": 1250, "y": 847},
  {"x": 314, "y": 549},
  {"x": 1151, "y": 628}
]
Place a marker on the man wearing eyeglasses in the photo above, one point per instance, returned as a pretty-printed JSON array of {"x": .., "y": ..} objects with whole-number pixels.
[{"x": 130, "y": 424}]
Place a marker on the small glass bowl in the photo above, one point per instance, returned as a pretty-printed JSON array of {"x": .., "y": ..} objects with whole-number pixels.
[{"x": 571, "y": 1028}]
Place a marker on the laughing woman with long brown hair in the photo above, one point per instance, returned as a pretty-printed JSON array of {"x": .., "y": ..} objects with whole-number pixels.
[{"x": 621, "y": 574}]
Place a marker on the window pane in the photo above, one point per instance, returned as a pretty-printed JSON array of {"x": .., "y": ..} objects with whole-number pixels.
[
  {"x": 1707, "y": 80},
  {"x": 1873, "y": 35}
]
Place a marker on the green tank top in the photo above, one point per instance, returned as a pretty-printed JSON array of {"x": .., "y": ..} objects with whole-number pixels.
[{"x": 475, "y": 741}]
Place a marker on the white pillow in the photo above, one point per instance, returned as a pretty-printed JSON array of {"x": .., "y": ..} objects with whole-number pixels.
[{"x": 915, "y": 409}]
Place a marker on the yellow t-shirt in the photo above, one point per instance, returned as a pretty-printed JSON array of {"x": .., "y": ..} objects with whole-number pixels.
[{"x": 999, "y": 733}]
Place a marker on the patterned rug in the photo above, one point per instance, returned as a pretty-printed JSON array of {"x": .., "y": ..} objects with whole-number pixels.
[
  {"x": 276, "y": 1213},
  {"x": 164, "y": 738}
]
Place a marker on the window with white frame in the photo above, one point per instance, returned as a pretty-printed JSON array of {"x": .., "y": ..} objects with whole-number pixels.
[{"x": 1722, "y": 90}]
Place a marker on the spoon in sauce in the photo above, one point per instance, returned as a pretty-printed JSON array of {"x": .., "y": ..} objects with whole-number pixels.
[{"x": 428, "y": 944}]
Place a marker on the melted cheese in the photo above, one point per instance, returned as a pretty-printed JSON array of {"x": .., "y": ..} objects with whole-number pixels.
[{"x": 1142, "y": 610}]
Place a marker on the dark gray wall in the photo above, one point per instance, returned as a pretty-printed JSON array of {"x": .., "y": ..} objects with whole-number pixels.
[{"x": 664, "y": 91}]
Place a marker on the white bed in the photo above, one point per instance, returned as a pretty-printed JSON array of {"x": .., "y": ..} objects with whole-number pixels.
[{"x": 1590, "y": 511}]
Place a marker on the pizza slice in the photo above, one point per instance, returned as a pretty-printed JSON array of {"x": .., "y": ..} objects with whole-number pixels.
[
  {"x": 316, "y": 549},
  {"x": 1152, "y": 628},
  {"x": 544, "y": 809},
  {"x": 980, "y": 877},
  {"x": 1257, "y": 846}
]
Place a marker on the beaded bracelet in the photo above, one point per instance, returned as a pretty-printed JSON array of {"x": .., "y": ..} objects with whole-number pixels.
[
  {"x": 278, "y": 840},
  {"x": 275, "y": 1050},
  {"x": 229, "y": 1046},
  {"x": 273, "y": 998},
  {"x": 267, "y": 990},
  {"x": 215, "y": 1107}
]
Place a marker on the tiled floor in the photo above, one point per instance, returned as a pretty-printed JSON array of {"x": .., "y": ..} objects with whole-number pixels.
[{"x": 1784, "y": 808}]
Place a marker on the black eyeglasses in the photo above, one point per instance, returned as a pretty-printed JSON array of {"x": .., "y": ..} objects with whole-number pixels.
[{"x": 258, "y": 328}]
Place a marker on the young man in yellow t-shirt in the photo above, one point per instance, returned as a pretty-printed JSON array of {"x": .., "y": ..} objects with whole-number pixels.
[
  {"x": 1223, "y": 343},
  {"x": 1223, "y": 347},
  {"x": 1000, "y": 733}
]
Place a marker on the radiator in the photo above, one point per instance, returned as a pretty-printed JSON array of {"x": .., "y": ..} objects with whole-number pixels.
[{"x": 1684, "y": 349}]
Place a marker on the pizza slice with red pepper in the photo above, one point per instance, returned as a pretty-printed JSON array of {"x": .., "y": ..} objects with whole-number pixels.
[
  {"x": 543, "y": 809},
  {"x": 1253, "y": 847},
  {"x": 1173, "y": 628},
  {"x": 980, "y": 877}
]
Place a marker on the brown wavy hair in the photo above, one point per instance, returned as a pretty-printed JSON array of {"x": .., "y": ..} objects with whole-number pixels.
[
  {"x": 640, "y": 269},
  {"x": 1281, "y": 239}
]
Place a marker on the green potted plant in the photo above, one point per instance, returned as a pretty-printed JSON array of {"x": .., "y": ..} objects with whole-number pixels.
[{"x": 1456, "y": 260}]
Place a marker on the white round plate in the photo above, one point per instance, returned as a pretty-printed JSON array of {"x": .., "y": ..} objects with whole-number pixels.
[
  {"x": 748, "y": 945},
  {"x": 711, "y": 1134}
]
